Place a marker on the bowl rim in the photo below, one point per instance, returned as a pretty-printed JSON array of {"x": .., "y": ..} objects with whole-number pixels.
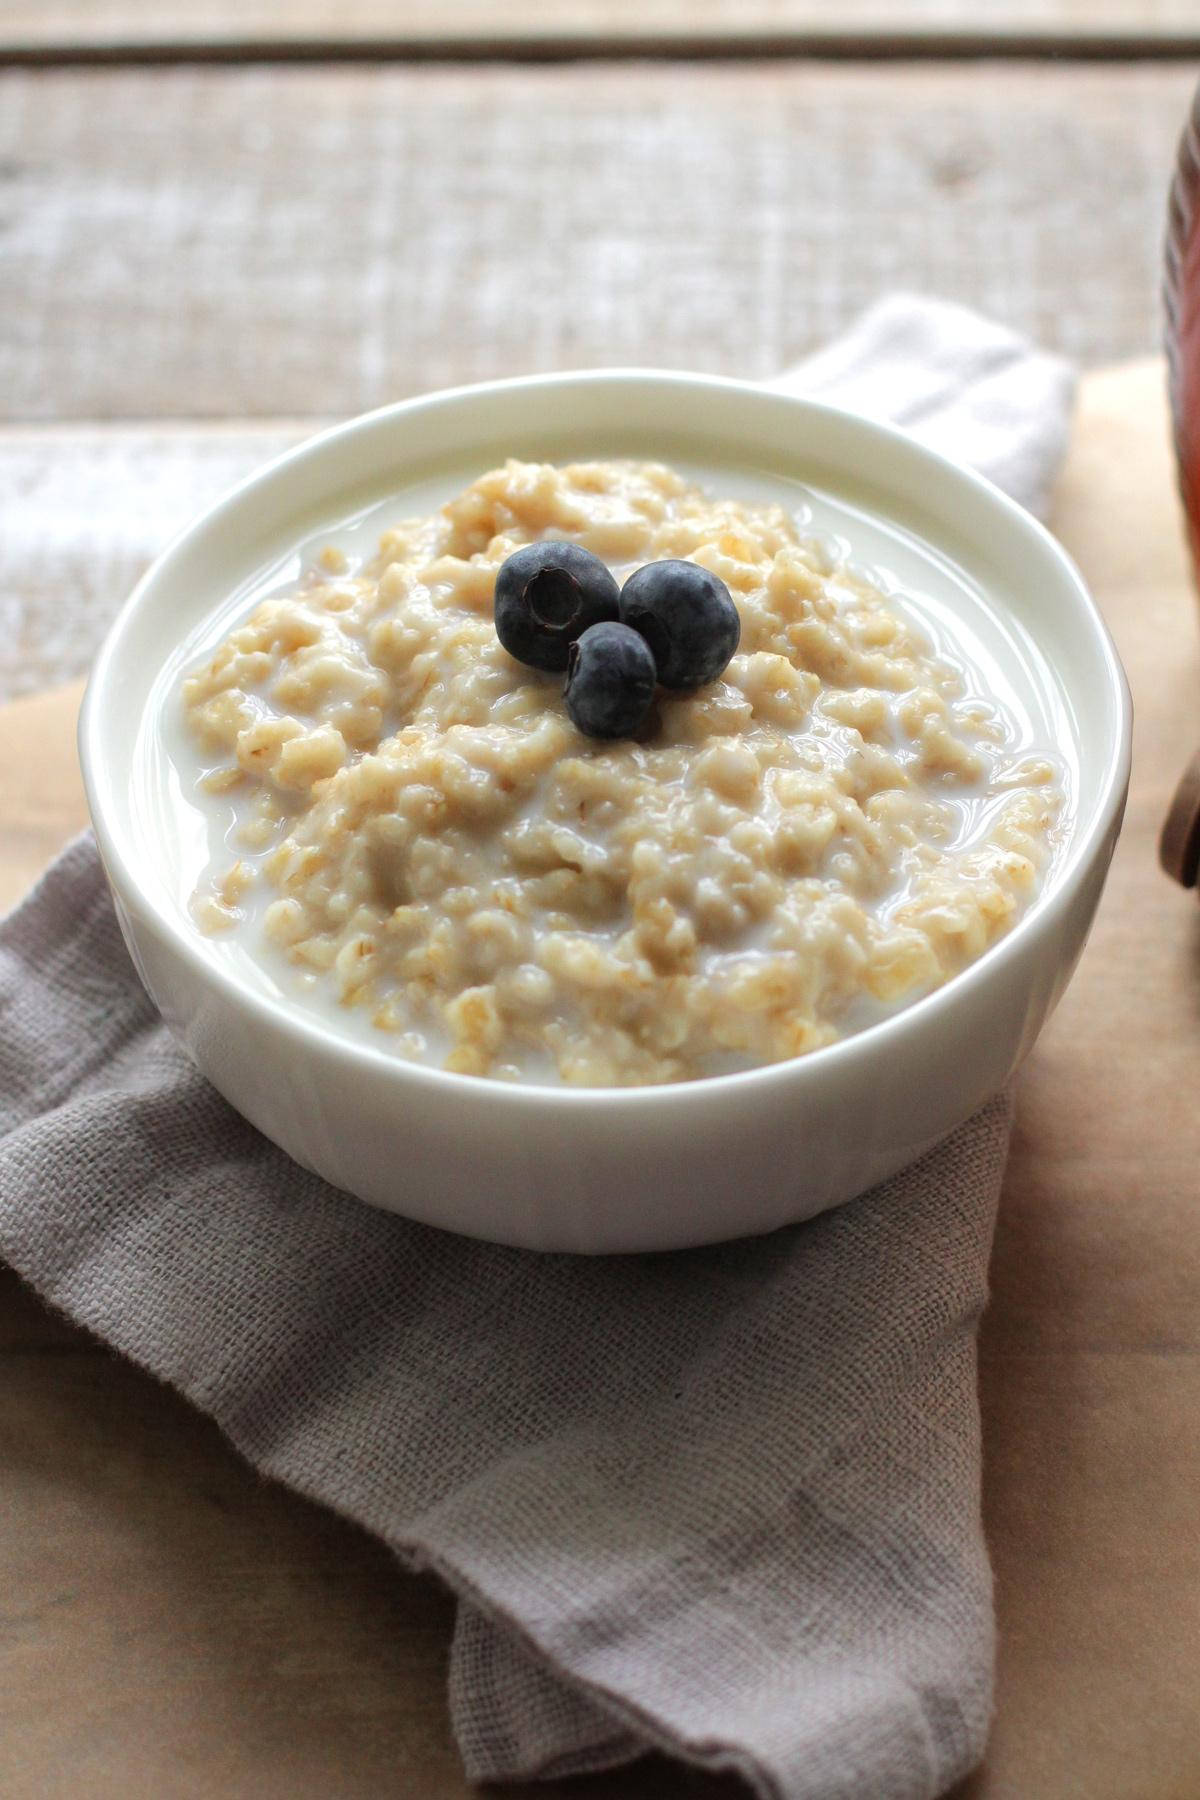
[{"x": 311, "y": 1033}]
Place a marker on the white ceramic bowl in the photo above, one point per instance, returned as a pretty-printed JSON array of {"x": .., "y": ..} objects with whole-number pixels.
[{"x": 626, "y": 1168}]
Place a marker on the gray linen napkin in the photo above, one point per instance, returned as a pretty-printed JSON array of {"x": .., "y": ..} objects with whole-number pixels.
[{"x": 724, "y": 1502}]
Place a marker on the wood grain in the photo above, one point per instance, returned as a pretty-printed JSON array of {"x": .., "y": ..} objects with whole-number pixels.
[
  {"x": 169, "y": 1624},
  {"x": 41, "y": 794},
  {"x": 267, "y": 242},
  {"x": 83, "y": 510},
  {"x": 1091, "y": 1347},
  {"x": 71, "y": 24}
]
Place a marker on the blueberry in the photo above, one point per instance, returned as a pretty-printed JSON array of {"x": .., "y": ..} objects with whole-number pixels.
[
  {"x": 547, "y": 594},
  {"x": 687, "y": 617},
  {"x": 610, "y": 681}
]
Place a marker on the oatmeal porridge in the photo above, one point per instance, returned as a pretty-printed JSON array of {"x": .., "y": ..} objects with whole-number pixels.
[{"x": 838, "y": 824}]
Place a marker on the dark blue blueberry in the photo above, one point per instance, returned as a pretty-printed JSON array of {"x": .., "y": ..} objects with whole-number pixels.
[
  {"x": 547, "y": 594},
  {"x": 686, "y": 616},
  {"x": 610, "y": 681}
]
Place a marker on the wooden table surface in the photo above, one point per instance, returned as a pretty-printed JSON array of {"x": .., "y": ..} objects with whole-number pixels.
[
  {"x": 199, "y": 261},
  {"x": 36, "y": 29}
]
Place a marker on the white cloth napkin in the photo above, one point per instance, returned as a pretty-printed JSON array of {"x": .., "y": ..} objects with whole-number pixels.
[
  {"x": 724, "y": 1503},
  {"x": 964, "y": 385}
]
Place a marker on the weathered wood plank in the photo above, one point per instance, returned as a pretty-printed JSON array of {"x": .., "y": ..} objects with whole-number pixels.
[
  {"x": 279, "y": 242},
  {"x": 120, "y": 24},
  {"x": 83, "y": 511}
]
